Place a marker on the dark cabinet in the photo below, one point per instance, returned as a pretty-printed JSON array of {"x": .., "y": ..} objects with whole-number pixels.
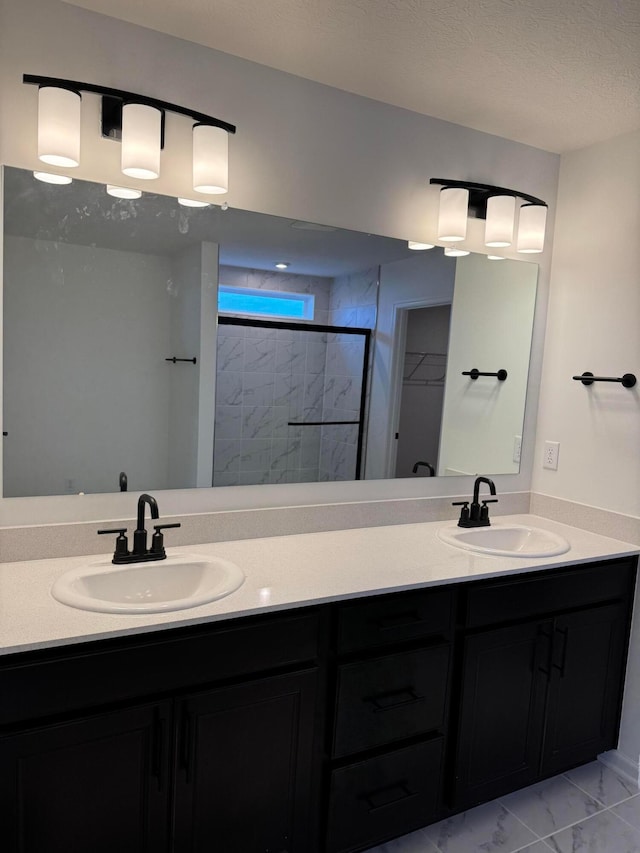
[
  {"x": 231, "y": 766},
  {"x": 392, "y": 676},
  {"x": 98, "y": 784},
  {"x": 244, "y": 768},
  {"x": 331, "y": 728},
  {"x": 585, "y": 686},
  {"x": 543, "y": 695}
]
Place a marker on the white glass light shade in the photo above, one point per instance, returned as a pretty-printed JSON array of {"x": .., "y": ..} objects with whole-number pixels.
[
  {"x": 210, "y": 159},
  {"x": 531, "y": 227},
  {"x": 58, "y": 126},
  {"x": 141, "y": 126},
  {"x": 452, "y": 218},
  {"x": 455, "y": 252},
  {"x": 501, "y": 211},
  {"x": 123, "y": 192},
  {"x": 495, "y": 258},
  {"x": 50, "y": 178},
  {"x": 191, "y": 202},
  {"x": 419, "y": 247}
]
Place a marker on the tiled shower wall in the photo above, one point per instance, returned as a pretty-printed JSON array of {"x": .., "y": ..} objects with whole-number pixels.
[
  {"x": 353, "y": 302},
  {"x": 267, "y": 377}
]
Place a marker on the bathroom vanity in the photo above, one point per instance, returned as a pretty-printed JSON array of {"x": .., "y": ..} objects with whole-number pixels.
[{"x": 381, "y": 704}]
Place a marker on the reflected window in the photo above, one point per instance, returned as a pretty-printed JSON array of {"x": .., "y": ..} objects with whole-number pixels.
[{"x": 265, "y": 303}]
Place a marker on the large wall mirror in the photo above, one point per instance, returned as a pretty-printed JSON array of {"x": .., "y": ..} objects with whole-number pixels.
[{"x": 161, "y": 342}]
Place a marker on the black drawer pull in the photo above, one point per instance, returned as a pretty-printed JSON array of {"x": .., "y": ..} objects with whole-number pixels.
[
  {"x": 394, "y": 699},
  {"x": 564, "y": 632},
  {"x": 399, "y": 620},
  {"x": 388, "y": 796}
]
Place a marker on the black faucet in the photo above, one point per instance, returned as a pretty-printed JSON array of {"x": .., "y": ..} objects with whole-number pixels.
[
  {"x": 476, "y": 515},
  {"x": 140, "y": 553},
  {"x": 427, "y": 465}
]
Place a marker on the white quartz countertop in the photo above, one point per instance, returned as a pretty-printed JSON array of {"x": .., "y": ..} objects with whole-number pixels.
[{"x": 281, "y": 572}]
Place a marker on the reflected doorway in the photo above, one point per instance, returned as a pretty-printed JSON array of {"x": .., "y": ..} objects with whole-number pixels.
[{"x": 426, "y": 343}]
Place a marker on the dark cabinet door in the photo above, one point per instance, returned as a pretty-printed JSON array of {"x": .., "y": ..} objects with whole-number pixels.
[
  {"x": 244, "y": 768},
  {"x": 99, "y": 784},
  {"x": 504, "y": 685},
  {"x": 586, "y": 686}
]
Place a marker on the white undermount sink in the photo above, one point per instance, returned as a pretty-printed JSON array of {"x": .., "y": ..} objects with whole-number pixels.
[
  {"x": 506, "y": 540},
  {"x": 179, "y": 582}
]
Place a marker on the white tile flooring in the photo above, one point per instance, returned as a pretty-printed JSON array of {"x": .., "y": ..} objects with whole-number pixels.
[{"x": 588, "y": 810}]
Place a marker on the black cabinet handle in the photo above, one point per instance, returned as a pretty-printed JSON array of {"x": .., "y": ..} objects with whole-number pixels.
[
  {"x": 185, "y": 743},
  {"x": 549, "y": 638},
  {"x": 158, "y": 748},
  {"x": 564, "y": 633},
  {"x": 399, "y": 620},
  {"x": 393, "y": 699},
  {"x": 384, "y": 797}
]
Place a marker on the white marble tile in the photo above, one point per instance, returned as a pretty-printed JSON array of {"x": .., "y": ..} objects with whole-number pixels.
[
  {"x": 629, "y": 810},
  {"x": 602, "y": 833},
  {"x": 414, "y": 842},
  {"x": 228, "y": 422},
  {"x": 226, "y": 454},
  {"x": 366, "y": 316},
  {"x": 260, "y": 356},
  {"x": 316, "y": 357},
  {"x": 258, "y": 389},
  {"x": 602, "y": 783},
  {"x": 229, "y": 389},
  {"x": 257, "y": 421},
  {"x": 285, "y": 454},
  {"x": 289, "y": 390},
  {"x": 226, "y": 478},
  {"x": 290, "y": 357},
  {"x": 486, "y": 828},
  {"x": 256, "y": 454},
  {"x": 551, "y": 805},
  {"x": 538, "y": 847},
  {"x": 230, "y": 354}
]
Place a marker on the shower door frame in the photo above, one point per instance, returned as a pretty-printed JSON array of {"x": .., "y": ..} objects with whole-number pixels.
[{"x": 321, "y": 328}]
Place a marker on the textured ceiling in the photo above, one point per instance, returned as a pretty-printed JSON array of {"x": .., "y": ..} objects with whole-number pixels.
[{"x": 556, "y": 74}]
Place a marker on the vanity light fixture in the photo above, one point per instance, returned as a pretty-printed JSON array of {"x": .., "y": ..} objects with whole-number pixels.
[
  {"x": 59, "y": 126},
  {"x": 419, "y": 247},
  {"x": 123, "y": 192},
  {"x": 141, "y": 134},
  {"x": 52, "y": 178},
  {"x": 192, "y": 202},
  {"x": 495, "y": 258},
  {"x": 137, "y": 122},
  {"x": 496, "y": 205},
  {"x": 456, "y": 252},
  {"x": 282, "y": 265},
  {"x": 452, "y": 217}
]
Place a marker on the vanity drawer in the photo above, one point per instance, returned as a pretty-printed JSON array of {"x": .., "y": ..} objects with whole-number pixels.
[
  {"x": 384, "y": 797},
  {"x": 549, "y": 592},
  {"x": 394, "y": 618},
  {"x": 389, "y": 698},
  {"x": 36, "y": 685}
]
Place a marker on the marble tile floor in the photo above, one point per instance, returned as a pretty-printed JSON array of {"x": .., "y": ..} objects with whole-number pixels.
[{"x": 587, "y": 810}]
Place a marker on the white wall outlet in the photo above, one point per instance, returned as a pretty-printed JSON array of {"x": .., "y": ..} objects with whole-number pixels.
[
  {"x": 517, "y": 447},
  {"x": 551, "y": 453}
]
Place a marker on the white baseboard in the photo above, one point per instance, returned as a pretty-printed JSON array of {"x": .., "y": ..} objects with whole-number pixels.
[{"x": 623, "y": 766}]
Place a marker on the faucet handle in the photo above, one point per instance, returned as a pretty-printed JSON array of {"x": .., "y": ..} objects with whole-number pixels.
[
  {"x": 464, "y": 512},
  {"x": 122, "y": 545},
  {"x": 157, "y": 540}
]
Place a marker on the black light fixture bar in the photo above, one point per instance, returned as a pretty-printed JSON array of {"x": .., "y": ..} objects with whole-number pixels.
[
  {"x": 628, "y": 380},
  {"x": 480, "y": 193},
  {"x": 126, "y": 97}
]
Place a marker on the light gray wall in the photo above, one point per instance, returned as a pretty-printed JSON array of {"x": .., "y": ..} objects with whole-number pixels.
[
  {"x": 491, "y": 320},
  {"x": 338, "y": 159},
  {"x": 86, "y": 384}
]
